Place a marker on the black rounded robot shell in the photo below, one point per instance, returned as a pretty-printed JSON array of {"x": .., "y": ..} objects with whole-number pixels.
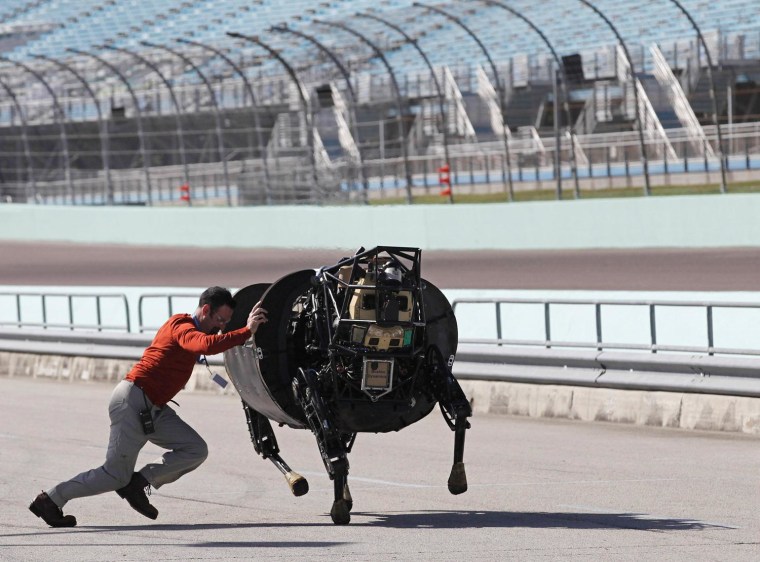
[{"x": 277, "y": 369}]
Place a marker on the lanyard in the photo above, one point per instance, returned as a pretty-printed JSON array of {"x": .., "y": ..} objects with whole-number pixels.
[{"x": 216, "y": 377}]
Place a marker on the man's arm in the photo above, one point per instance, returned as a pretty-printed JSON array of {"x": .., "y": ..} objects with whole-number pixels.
[
  {"x": 256, "y": 318},
  {"x": 195, "y": 341}
]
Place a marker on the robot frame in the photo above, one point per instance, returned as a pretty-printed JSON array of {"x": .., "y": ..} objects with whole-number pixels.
[{"x": 365, "y": 345}]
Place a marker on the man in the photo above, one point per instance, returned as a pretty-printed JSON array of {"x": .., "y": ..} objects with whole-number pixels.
[{"x": 139, "y": 411}]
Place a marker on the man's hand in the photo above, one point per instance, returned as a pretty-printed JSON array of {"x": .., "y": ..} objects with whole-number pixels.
[{"x": 257, "y": 317}]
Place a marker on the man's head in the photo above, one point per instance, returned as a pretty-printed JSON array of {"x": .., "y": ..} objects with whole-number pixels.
[{"x": 214, "y": 310}]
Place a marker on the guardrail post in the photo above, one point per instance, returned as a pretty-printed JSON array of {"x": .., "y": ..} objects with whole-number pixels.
[
  {"x": 598, "y": 311},
  {"x": 126, "y": 311},
  {"x": 498, "y": 320},
  {"x": 710, "y": 343},
  {"x": 547, "y": 325},
  {"x": 652, "y": 328},
  {"x": 97, "y": 312},
  {"x": 18, "y": 311},
  {"x": 71, "y": 312},
  {"x": 140, "y": 314}
]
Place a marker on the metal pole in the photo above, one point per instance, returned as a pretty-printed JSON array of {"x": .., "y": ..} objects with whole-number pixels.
[
  {"x": 217, "y": 112},
  {"x": 563, "y": 83},
  {"x": 639, "y": 120},
  {"x": 721, "y": 154},
  {"x": 59, "y": 115},
  {"x": 302, "y": 94},
  {"x": 249, "y": 89},
  {"x": 397, "y": 90},
  {"x": 178, "y": 111},
  {"x": 102, "y": 124},
  {"x": 347, "y": 79},
  {"x": 499, "y": 85},
  {"x": 138, "y": 113},
  {"x": 557, "y": 138},
  {"x": 441, "y": 97},
  {"x": 24, "y": 141}
]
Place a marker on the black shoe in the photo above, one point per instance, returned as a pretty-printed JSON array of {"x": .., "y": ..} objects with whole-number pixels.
[
  {"x": 134, "y": 493},
  {"x": 44, "y": 507}
]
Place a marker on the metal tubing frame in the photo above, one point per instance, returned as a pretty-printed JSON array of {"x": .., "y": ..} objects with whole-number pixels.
[
  {"x": 721, "y": 154},
  {"x": 217, "y": 112},
  {"x": 102, "y": 125},
  {"x": 138, "y": 113},
  {"x": 59, "y": 117},
  {"x": 399, "y": 106},
  {"x": 563, "y": 82},
  {"x": 304, "y": 102},
  {"x": 24, "y": 138},
  {"x": 441, "y": 98},
  {"x": 499, "y": 86},
  {"x": 347, "y": 79},
  {"x": 639, "y": 120},
  {"x": 180, "y": 134},
  {"x": 249, "y": 89}
]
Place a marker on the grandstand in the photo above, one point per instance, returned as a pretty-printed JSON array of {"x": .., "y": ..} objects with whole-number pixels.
[{"x": 121, "y": 102}]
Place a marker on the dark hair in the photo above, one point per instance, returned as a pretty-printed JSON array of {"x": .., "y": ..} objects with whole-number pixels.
[{"x": 216, "y": 297}]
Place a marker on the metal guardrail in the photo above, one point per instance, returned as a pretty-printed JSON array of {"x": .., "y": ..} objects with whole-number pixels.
[
  {"x": 600, "y": 344},
  {"x": 44, "y": 299},
  {"x": 704, "y": 369},
  {"x": 107, "y": 345},
  {"x": 170, "y": 302},
  {"x": 704, "y": 374}
]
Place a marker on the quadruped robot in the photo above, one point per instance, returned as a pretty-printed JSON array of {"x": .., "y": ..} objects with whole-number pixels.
[{"x": 365, "y": 345}]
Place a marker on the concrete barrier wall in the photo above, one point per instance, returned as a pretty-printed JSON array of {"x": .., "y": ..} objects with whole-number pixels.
[
  {"x": 660, "y": 409},
  {"x": 677, "y": 221},
  {"x": 84, "y": 369}
]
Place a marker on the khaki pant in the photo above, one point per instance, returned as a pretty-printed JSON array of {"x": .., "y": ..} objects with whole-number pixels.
[{"x": 186, "y": 449}]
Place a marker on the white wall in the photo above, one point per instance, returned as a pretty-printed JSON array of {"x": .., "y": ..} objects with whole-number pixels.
[{"x": 677, "y": 221}]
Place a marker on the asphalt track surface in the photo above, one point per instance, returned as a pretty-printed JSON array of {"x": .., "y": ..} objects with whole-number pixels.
[
  {"x": 538, "y": 490},
  {"x": 720, "y": 269}
]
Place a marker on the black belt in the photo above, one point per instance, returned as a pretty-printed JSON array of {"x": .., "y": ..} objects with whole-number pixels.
[{"x": 145, "y": 394}]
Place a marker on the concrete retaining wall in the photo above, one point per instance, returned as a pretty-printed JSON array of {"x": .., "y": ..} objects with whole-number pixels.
[
  {"x": 679, "y": 221},
  {"x": 662, "y": 409},
  {"x": 92, "y": 369}
]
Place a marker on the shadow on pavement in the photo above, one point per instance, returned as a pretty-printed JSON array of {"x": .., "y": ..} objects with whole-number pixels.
[{"x": 569, "y": 520}]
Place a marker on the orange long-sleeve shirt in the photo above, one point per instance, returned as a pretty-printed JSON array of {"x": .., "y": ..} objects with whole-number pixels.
[{"x": 167, "y": 363}]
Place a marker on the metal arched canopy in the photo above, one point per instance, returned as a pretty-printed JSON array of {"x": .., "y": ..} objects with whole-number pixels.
[
  {"x": 397, "y": 91},
  {"x": 301, "y": 93},
  {"x": 138, "y": 113},
  {"x": 217, "y": 113},
  {"x": 59, "y": 114},
  {"x": 24, "y": 139},
  {"x": 349, "y": 87},
  {"x": 499, "y": 85},
  {"x": 639, "y": 118},
  {"x": 441, "y": 98},
  {"x": 563, "y": 82},
  {"x": 175, "y": 102},
  {"x": 249, "y": 89},
  {"x": 102, "y": 124},
  {"x": 711, "y": 79}
]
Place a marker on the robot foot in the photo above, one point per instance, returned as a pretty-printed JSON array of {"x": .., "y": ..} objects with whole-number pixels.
[
  {"x": 340, "y": 512},
  {"x": 298, "y": 484},
  {"x": 457, "y": 479}
]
